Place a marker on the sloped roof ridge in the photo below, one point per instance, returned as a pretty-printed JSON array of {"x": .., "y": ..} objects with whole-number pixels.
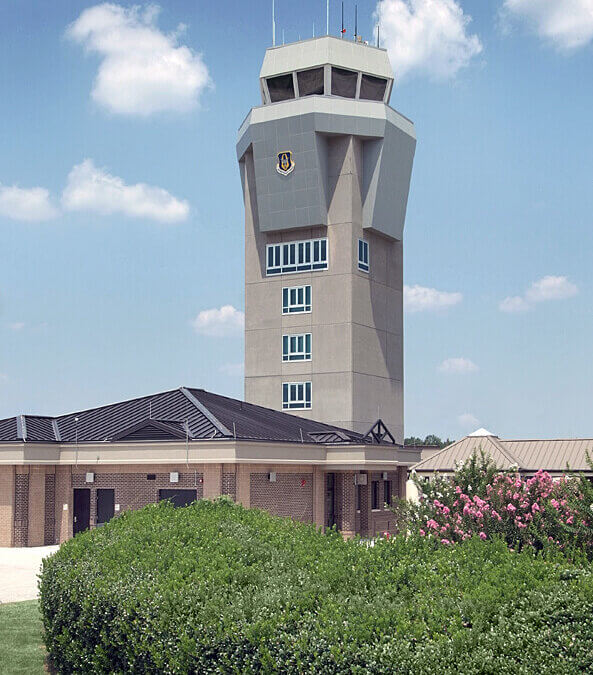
[
  {"x": 204, "y": 410},
  {"x": 496, "y": 441}
]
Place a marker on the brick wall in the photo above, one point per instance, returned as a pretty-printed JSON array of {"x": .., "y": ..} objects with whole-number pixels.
[
  {"x": 133, "y": 490},
  {"x": 229, "y": 484},
  {"x": 291, "y": 494}
]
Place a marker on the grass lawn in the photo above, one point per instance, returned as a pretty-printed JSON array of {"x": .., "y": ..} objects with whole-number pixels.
[{"x": 21, "y": 649}]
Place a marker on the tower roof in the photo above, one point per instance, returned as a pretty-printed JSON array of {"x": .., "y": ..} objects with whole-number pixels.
[{"x": 326, "y": 50}]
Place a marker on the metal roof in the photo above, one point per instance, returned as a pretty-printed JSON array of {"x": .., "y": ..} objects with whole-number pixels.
[
  {"x": 173, "y": 415},
  {"x": 553, "y": 455}
]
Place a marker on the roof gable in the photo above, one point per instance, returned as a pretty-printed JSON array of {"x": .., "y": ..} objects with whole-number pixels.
[{"x": 153, "y": 430}]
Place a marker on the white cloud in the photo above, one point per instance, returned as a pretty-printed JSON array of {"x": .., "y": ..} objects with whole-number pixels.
[
  {"x": 567, "y": 24},
  {"x": 142, "y": 69},
  {"x": 458, "y": 365},
  {"x": 17, "y": 325},
  {"x": 551, "y": 288},
  {"x": 92, "y": 189},
  {"x": 513, "y": 305},
  {"x": 547, "y": 288},
  {"x": 232, "y": 369},
  {"x": 219, "y": 322},
  {"x": 428, "y": 37},
  {"x": 26, "y": 203},
  {"x": 420, "y": 299},
  {"x": 468, "y": 421}
]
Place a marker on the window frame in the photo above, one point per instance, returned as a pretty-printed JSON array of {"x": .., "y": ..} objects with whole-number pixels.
[
  {"x": 294, "y": 257},
  {"x": 291, "y": 355},
  {"x": 303, "y": 403},
  {"x": 375, "y": 501},
  {"x": 363, "y": 247},
  {"x": 288, "y": 307}
]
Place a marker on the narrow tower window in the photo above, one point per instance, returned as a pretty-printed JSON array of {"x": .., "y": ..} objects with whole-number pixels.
[
  {"x": 344, "y": 82},
  {"x": 296, "y": 396},
  {"x": 310, "y": 82},
  {"x": 281, "y": 88},
  {"x": 372, "y": 88},
  {"x": 363, "y": 255},
  {"x": 296, "y": 300},
  {"x": 296, "y": 347}
]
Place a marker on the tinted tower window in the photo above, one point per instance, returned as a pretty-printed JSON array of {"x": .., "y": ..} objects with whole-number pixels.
[
  {"x": 310, "y": 82},
  {"x": 281, "y": 88},
  {"x": 372, "y": 88},
  {"x": 344, "y": 82}
]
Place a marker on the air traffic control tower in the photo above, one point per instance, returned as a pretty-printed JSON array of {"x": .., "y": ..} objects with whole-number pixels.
[{"x": 325, "y": 166}]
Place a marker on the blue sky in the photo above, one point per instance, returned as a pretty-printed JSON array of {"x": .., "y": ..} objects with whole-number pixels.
[{"x": 121, "y": 215}]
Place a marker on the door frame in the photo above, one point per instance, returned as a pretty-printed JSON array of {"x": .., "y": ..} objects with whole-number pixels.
[{"x": 81, "y": 521}]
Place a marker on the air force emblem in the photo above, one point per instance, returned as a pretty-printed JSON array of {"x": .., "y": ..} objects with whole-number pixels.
[{"x": 285, "y": 163}]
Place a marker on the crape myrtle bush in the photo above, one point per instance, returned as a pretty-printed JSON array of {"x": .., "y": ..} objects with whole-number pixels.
[
  {"x": 480, "y": 500},
  {"x": 216, "y": 588}
]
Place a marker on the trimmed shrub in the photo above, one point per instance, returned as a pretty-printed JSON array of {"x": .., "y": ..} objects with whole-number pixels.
[{"x": 215, "y": 588}]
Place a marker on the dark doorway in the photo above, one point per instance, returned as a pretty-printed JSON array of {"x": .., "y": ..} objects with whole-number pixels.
[
  {"x": 178, "y": 497},
  {"x": 82, "y": 510},
  {"x": 330, "y": 499},
  {"x": 105, "y": 506}
]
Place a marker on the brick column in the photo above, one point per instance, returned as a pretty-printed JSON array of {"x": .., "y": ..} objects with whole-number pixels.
[
  {"x": 403, "y": 476},
  {"x": 318, "y": 496},
  {"x": 212, "y": 480},
  {"x": 49, "y": 530},
  {"x": 6, "y": 505},
  {"x": 365, "y": 507},
  {"x": 36, "y": 505},
  {"x": 21, "y": 506},
  {"x": 63, "y": 495},
  {"x": 347, "y": 503},
  {"x": 244, "y": 485}
]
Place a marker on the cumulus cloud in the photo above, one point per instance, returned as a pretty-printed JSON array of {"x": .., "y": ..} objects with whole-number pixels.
[
  {"x": 31, "y": 204},
  {"x": 219, "y": 322},
  {"x": 142, "y": 69},
  {"x": 551, "y": 288},
  {"x": 92, "y": 189},
  {"x": 567, "y": 24},
  {"x": 458, "y": 365},
  {"x": 17, "y": 325},
  {"x": 427, "y": 37},
  {"x": 547, "y": 288},
  {"x": 232, "y": 369},
  {"x": 468, "y": 421},
  {"x": 514, "y": 305},
  {"x": 421, "y": 299}
]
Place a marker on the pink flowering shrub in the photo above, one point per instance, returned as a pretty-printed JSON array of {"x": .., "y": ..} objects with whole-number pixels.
[{"x": 481, "y": 501}]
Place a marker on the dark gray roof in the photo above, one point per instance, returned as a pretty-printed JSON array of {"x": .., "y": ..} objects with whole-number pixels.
[{"x": 174, "y": 415}]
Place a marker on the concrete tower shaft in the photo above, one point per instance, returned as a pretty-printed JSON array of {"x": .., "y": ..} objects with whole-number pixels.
[{"x": 326, "y": 165}]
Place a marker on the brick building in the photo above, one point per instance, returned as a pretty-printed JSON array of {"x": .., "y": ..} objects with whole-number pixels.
[{"x": 60, "y": 475}]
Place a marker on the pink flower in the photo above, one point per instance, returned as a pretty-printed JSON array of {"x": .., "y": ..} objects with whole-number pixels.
[
  {"x": 445, "y": 541},
  {"x": 482, "y": 535},
  {"x": 554, "y": 503},
  {"x": 511, "y": 508},
  {"x": 535, "y": 507},
  {"x": 446, "y": 510},
  {"x": 570, "y": 520},
  {"x": 433, "y": 524},
  {"x": 422, "y": 533}
]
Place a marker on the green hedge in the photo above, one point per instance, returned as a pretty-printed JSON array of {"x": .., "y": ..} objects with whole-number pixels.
[{"x": 217, "y": 588}]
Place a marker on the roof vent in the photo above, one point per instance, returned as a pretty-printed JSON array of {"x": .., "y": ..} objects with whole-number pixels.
[{"x": 482, "y": 432}]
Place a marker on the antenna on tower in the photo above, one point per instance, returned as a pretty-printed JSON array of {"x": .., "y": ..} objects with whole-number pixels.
[
  {"x": 343, "y": 29},
  {"x": 327, "y": 17},
  {"x": 355, "y": 22},
  {"x": 273, "y": 23}
]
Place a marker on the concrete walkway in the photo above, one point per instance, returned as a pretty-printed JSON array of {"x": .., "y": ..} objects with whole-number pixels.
[{"x": 18, "y": 572}]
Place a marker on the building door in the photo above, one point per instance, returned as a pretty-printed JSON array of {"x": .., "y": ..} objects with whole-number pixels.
[
  {"x": 105, "y": 506},
  {"x": 330, "y": 499},
  {"x": 82, "y": 510},
  {"x": 178, "y": 497}
]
